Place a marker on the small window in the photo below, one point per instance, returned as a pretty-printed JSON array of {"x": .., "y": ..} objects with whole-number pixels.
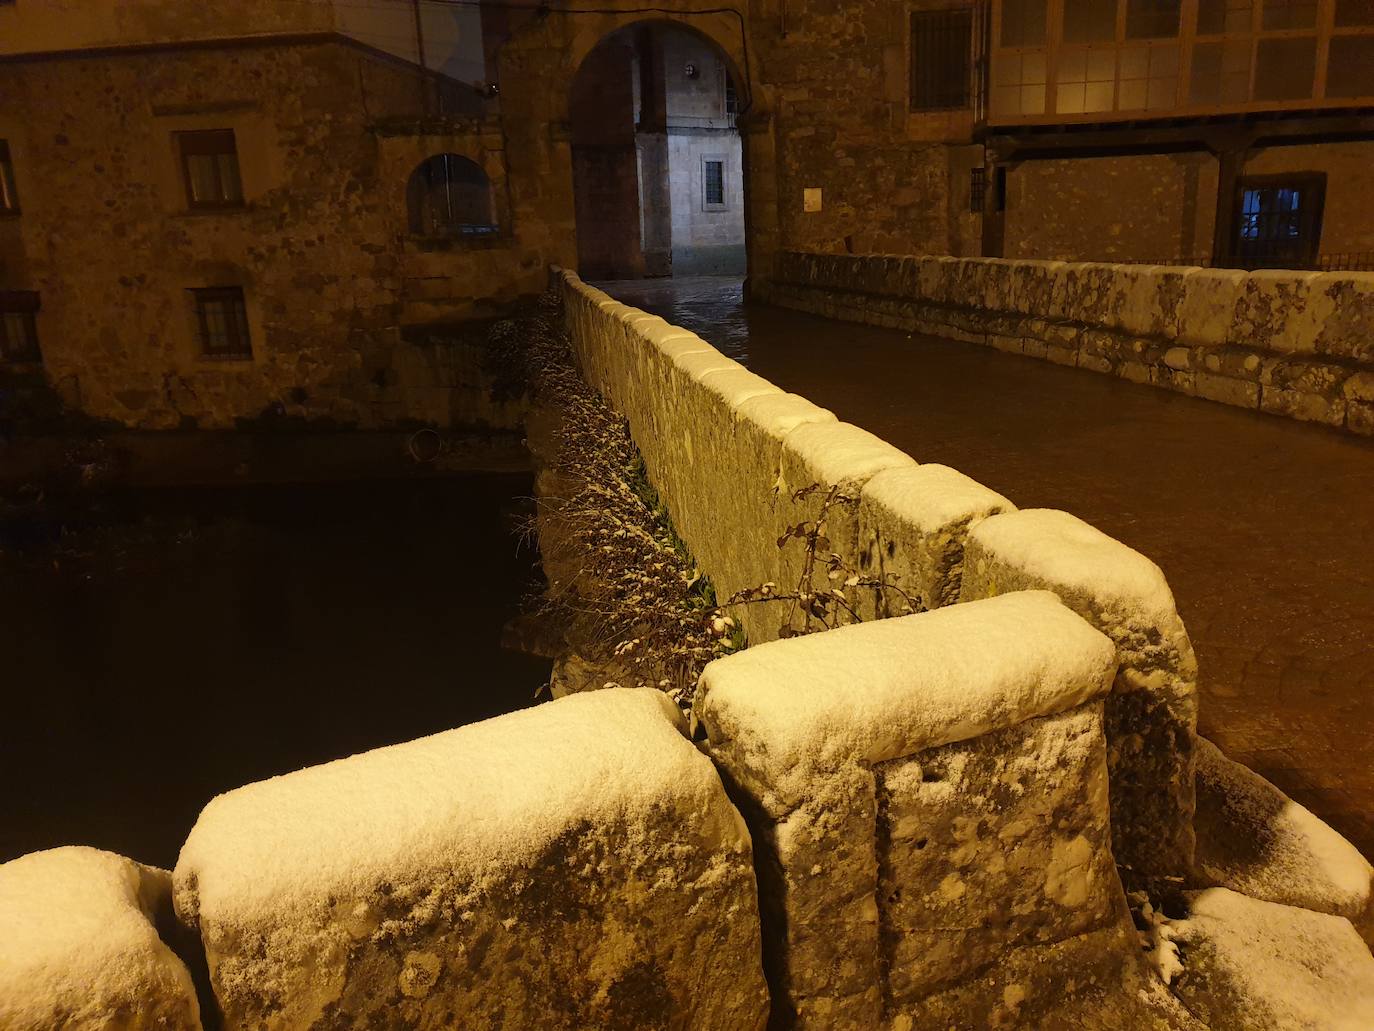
[
  {"x": 713, "y": 183},
  {"x": 1289, "y": 14},
  {"x": 1023, "y": 23},
  {"x": 18, "y": 331},
  {"x": 9, "y": 196},
  {"x": 450, "y": 195},
  {"x": 1217, "y": 16},
  {"x": 1089, "y": 21},
  {"x": 1279, "y": 223},
  {"x": 941, "y": 59},
  {"x": 210, "y": 166},
  {"x": 977, "y": 190},
  {"x": 1152, "y": 19},
  {"x": 223, "y": 322},
  {"x": 1354, "y": 12}
]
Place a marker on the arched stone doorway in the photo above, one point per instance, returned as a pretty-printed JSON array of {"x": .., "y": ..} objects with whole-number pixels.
[{"x": 657, "y": 159}]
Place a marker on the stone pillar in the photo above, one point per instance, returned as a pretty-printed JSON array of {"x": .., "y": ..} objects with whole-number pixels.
[{"x": 651, "y": 144}]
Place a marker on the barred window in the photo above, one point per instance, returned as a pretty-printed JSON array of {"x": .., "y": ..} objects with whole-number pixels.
[
  {"x": 223, "y": 322},
  {"x": 713, "y": 183},
  {"x": 941, "y": 59},
  {"x": 977, "y": 190}
]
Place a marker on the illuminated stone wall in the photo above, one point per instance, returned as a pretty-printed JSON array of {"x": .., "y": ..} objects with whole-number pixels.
[{"x": 1296, "y": 344}]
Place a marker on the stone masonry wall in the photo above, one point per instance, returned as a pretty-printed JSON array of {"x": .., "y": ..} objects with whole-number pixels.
[
  {"x": 320, "y": 247},
  {"x": 726, "y": 450},
  {"x": 1296, "y": 344}
]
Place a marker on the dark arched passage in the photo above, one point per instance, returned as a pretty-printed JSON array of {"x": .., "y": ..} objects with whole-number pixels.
[{"x": 658, "y": 173}]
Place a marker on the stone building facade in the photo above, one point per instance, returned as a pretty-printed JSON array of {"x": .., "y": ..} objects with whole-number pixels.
[{"x": 867, "y": 127}]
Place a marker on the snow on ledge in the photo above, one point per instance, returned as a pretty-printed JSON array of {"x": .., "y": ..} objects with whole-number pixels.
[
  {"x": 782, "y": 715},
  {"x": 933, "y": 497},
  {"x": 1064, "y": 552},
  {"x": 469, "y": 804},
  {"x": 77, "y": 944}
]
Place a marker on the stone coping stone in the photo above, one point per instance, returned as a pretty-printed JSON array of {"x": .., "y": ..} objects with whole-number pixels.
[
  {"x": 784, "y": 715},
  {"x": 79, "y": 950},
  {"x": 1254, "y": 839},
  {"x": 1260, "y": 966},
  {"x": 572, "y": 865}
]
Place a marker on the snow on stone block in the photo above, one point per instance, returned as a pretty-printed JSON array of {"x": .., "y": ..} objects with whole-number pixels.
[
  {"x": 783, "y": 714},
  {"x": 1254, "y": 839},
  {"x": 913, "y": 523},
  {"x": 1152, "y": 715},
  {"x": 735, "y": 386},
  {"x": 778, "y": 415},
  {"x": 900, "y": 788},
  {"x": 1260, "y": 966},
  {"x": 573, "y": 865},
  {"x": 78, "y": 948},
  {"x": 838, "y": 453}
]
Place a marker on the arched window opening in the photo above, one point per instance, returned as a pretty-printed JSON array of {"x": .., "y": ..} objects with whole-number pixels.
[{"x": 449, "y": 195}]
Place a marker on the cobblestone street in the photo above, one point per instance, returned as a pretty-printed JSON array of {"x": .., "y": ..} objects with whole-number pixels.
[{"x": 1263, "y": 526}]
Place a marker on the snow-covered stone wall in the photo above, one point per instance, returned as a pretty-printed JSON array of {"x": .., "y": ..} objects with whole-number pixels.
[
  {"x": 1297, "y": 344},
  {"x": 726, "y": 450},
  {"x": 573, "y": 865}
]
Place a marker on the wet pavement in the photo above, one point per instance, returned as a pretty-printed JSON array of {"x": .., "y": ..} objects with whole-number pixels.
[{"x": 1263, "y": 526}]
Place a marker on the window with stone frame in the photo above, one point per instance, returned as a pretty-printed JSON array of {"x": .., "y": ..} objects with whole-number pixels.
[
  {"x": 222, "y": 321},
  {"x": 450, "y": 195},
  {"x": 9, "y": 195},
  {"x": 18, "y": 327},
  {"x": 210, "y": 168},
  {"x": 713, "y": 183},
  {"x": 942, "y": 59}
]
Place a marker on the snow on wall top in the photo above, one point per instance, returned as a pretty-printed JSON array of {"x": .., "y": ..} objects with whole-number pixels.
[
  {"x": 473, "y": 802},
  {"x": 933, "y": 497},
  {"x": 1285, "y": 853},
  {"x": 783, "y": 714},
  {"x": 1265, "y": 965},
  {"x": 76, "y": 942},
  {"x": 1070, "y": 555}
]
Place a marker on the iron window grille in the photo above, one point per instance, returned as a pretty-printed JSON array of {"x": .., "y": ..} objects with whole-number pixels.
[
  {"x": 9, "y": 195},
  {"x": 210, "y": 168},
  {"x": 977, "y": 190},
  {"x": 18, "y": 327},
  {"x": 942, "y": 59},
  {"x": 713, "y": 184},
  {"x": 1279, "y": 221},
  {"x": 223, "y": 322}
]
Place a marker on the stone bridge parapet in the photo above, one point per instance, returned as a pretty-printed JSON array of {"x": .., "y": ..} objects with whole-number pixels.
[{"x": 1296, "y": 344}]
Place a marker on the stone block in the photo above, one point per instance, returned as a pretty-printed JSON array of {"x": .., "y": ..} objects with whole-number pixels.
[
  {"x": 1218, "y": 387},
  {"x": 80, "y": 950},
  {"x": 1359, "y": 418},
  {"x": 1348, "y": 330},
  {"x": 573, "y": 865},
  {"x": 1297, "y": 404},
  {"x": 1152, "y": 714},
  {"x": 1207, "y": 308},
  {"x": 925, "y": 793},
  {"x": 1252, "y": 964},
  {"x": 1254, "y": 839},
  {"x": 1280, "y": 311},
  {"x": 913, "y": 523}
]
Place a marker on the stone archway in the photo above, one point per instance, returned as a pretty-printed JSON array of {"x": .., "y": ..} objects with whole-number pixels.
[{"x": 657, "y": 160}]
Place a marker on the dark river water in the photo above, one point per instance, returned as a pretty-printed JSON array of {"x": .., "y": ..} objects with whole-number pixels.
[{"x": 178, "y": 643}]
